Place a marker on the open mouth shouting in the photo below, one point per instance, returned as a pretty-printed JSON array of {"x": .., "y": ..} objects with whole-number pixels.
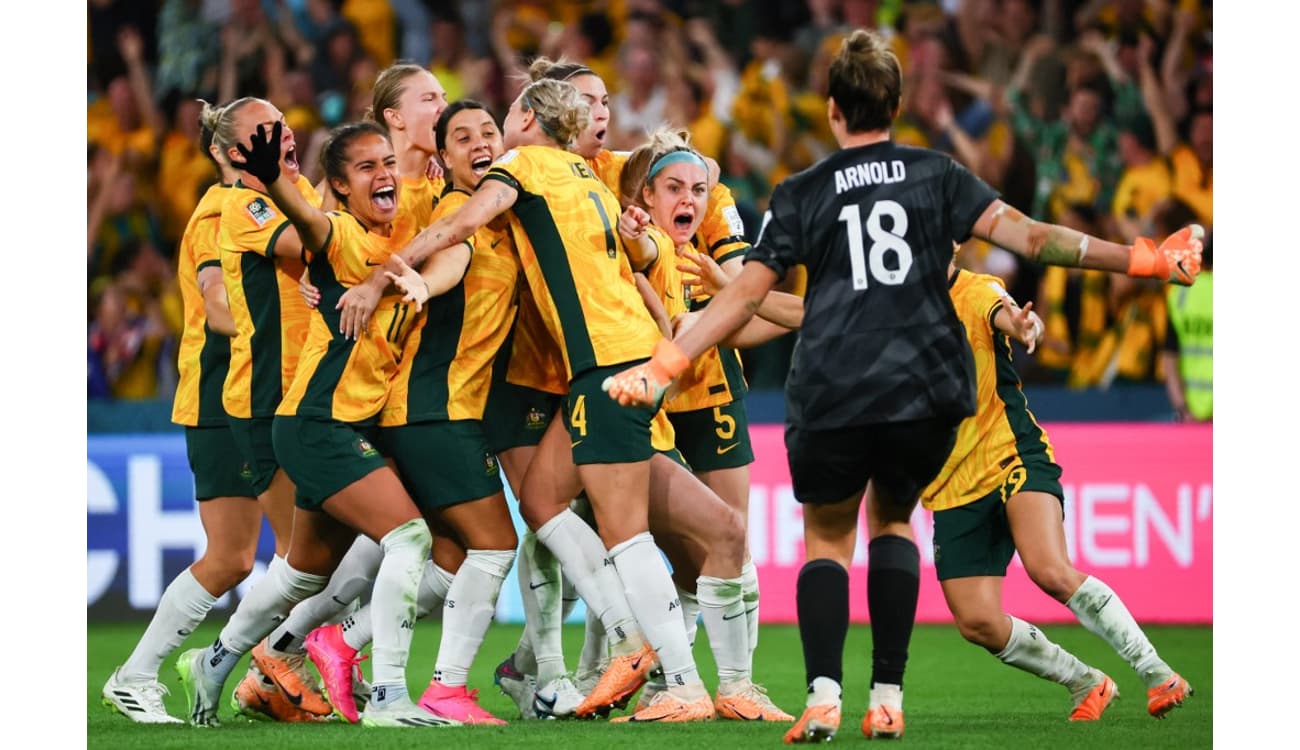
[
  {"x": 384, "y": 199},
  {"x": 481, "y": 164}
]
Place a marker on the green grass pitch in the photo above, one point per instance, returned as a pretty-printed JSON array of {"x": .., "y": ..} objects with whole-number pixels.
[{"x": 958, "y": 696}]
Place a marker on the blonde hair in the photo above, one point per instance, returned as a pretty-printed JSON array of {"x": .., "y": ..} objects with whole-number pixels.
[
  {"x": 866, "y": 82},
  {"x": 220, "y": 121},
  {"x": 559, "y": 108},
  {"x": 636, "y": 170},
  {"x": 557, "y": 70},
  {"x": 388, "y": 90}
]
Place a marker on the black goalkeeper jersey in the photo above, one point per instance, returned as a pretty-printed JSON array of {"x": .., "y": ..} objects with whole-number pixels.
[{"x": 881, "y": 342}]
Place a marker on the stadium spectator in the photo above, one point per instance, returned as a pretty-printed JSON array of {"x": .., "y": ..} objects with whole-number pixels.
[{"x": 1189, "y": 345}]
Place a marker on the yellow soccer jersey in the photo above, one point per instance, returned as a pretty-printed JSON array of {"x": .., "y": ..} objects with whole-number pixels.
[
  {"x": 563, "y": 226},
  {"x": 204, "y": 356},
  {"x": 608, "y": 166},
  {"x": 270, "y": 315},
  {"x": 666, "y": 280},
  {"x": 339, "y": 378},
  {"x": 535, "y": 358},
  {"x": 418, "y": 197},
  {"x": 445, "y": 369},
  {"x": 990, "y": 443}
]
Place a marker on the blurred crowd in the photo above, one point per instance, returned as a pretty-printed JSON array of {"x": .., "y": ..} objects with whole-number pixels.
[{"x": 1091, "y": 113}]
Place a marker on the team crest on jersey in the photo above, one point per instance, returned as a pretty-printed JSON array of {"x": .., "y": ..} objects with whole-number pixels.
[
  {"x": 366, "y": 449},
  {"x": 535, "y": 420},
  {"x": 489, "y": 464},
  {"x": 260, "y": 211},
  {"x": 734, "y": 222}
]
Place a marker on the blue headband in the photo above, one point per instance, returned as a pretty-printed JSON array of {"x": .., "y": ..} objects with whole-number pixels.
[{"x": 675, "y": 157}]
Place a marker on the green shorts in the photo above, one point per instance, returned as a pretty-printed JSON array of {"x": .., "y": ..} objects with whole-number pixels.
[
  {"x": 975, "y": 539},
  {"x": 716, "y": 438},
  {"x": 676, "y": 457},
  {"x": 517, "y": 416},
  {"x": 442, "y": 463},
  {"x": 601, "y": 431},
  {"x": 323, "y": 456},
  {"x": 256, "y": 447},
  {"x": 216, "y": 462}
]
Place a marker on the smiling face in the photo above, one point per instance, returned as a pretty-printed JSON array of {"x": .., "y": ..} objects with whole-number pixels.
[
  {"x": 370, "y": 180},
  {"x": 247, "y": 118},
  {"x": 676, "y": 199},
  {"x": 472, "y": 143},
  {"x": 593, "y": 91},
  {"x": 422, "y": 101}
]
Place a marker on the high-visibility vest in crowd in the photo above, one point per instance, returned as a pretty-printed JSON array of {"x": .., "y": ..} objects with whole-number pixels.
[{"x": 1191, "y": 313}]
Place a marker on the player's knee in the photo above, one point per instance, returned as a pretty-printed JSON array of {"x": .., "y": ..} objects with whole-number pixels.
[
  {"x": 981, "y": 628},
  {"x": 1057, "y": 579}
]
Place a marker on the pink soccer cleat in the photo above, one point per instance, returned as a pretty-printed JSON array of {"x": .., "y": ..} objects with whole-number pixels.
[{"x": 456, "y": 703}]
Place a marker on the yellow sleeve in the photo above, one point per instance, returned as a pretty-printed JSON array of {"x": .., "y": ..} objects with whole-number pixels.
[
  {"x": 206, "y": 250},
  {"x": 722, "y": 232},
  {"x": 252, "y": 223},
  {"x": 985, "y": 296},
  {"x": 514, "y": 168},
  {"x": 663, "y": 274}
]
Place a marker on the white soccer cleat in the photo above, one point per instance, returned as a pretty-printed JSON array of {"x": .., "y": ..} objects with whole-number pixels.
[
  {"x": 140, "y": 702},
  {"x": 202, "y": 693},
  {"x": 402, "y": 714},
  {"x": 518, "y": 686},
  {"x": 557, "y": 699}
]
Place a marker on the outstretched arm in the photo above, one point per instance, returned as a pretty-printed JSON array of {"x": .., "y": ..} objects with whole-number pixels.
[{"x": 1176, "y": 260}]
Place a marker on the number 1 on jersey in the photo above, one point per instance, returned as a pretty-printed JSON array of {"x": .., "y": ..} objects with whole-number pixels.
[{"x": 881, "y": 241}]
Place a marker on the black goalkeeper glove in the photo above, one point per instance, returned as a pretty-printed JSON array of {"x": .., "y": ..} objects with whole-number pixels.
[{"x": 262, "y": 158}]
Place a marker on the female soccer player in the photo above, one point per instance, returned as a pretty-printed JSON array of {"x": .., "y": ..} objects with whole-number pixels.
[
  {"x": 881, "y": 375},
  {"x": 562, "y": 221},
  {"x": 228, "y": 509},
  {"x": 323, "y": 427},
  {"x": 998, "y": 494},
  {"x": 665, "y": 186},
  {"x": 407, "y": 102}
]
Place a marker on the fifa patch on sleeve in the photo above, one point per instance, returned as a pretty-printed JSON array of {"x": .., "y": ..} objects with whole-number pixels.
[
  {"x": 996, "y": 287},
  {"x": 734, "y": 222},
  {"x": 506, "y": 158},
  {"x": 260, "y": 211}
]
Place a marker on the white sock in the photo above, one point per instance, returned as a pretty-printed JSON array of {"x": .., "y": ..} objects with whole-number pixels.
[
  {"x": 885, "y": 694},
  {"x": 1029, "y": 649},
  {"x": 749, "y": 591},
  {"x": 358, "y": 629},
  {"x": 471, "y": 602},
  {"x": 585, "y": 562},
  {"x": 354, "y": 575},
  {"x": 540, "y": 588},
  {"x": 183, "y": 606},
  {"x": 723, "y": 607},
  {"x": 651, "y": 595},
  {"x": 594, "y": 648},
  {"x": 568, "y": 598},
  {"x": 690, "y": 613},
  {"x": 266, "y": 606},
  {"x": 824, "y": 691},
  {"x": 392, "y": 610},
  {"x": 1101, "y": 611}
]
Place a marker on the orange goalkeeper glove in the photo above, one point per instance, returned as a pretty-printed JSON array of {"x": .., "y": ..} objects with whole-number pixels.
[
  {"x": 644, "y": 385},
  {"x": 1177, "y": 260}
]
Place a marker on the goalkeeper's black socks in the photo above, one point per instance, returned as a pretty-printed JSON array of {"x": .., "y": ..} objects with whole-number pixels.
[
  {"x": 822, "y": 598},
  {"x": 893, "y": 586}
]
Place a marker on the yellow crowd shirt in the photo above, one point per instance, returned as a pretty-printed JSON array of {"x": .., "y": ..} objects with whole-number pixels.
[
  {"x": 563, "y": 226},
  {"x": 990, "y": 444},
  {"x": 204, "y": 356},
  {"x": 270, "y": 315}
]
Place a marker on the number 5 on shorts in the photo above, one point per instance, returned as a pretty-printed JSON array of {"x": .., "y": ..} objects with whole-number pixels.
[{"x": 726, "y": 424}]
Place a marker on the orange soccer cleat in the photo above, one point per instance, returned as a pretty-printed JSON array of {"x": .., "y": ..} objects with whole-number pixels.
[
  {"x": 667, "y": 708},
  {"x": 293, "y": 679},
  {"x": 819, "y": 723},
  {"x": 883, "y": 722},
  {"x": 1095, "y": 701},
  {"x": 748, "y": 702},
  {"x": 1167, "y": 696},
  {"x": 624, "y": 676},
  {"x": 258, "y": 698}
]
